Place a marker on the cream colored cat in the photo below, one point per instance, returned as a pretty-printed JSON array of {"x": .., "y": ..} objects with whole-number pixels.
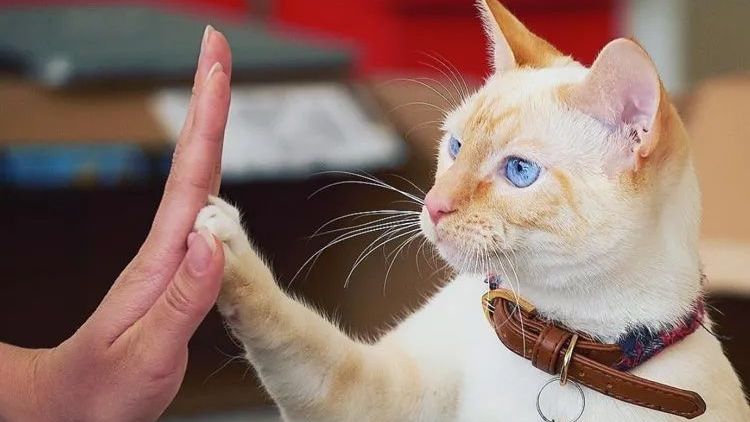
[{"x": 582, "y": 178}]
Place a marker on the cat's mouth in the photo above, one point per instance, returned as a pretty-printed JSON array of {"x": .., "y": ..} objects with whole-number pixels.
[
  {"x": 454, "y": 252},
  {"x": 468, "y": 251}
]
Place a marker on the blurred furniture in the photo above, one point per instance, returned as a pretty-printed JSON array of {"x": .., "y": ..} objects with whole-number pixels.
[{"x": 120, "y": 45}]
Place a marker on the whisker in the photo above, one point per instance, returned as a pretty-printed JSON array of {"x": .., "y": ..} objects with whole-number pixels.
[
  {"x": 363, "y": 214},
  {"x": 416, "y": 234},
  {"x": 370, "y": 249},
  {"x": 368, "y": 180},
  {"x": 421, "y": 125},
  {"x": 441, "y": 71},
  {"x": 454, "y": 71},
  {"x": 346, "y": 236},
  {"x": 381, "y": 222},
  {"x": 422, "y": 103},
  {"x": 410, "y": 182},
  {"x": 417, "y": 81}
]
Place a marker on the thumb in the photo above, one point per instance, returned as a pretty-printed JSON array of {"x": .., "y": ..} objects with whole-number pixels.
[{"x": 175, "y": 316}]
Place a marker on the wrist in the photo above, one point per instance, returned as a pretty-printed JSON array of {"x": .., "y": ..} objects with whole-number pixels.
[{"x": 21, "y": 395}]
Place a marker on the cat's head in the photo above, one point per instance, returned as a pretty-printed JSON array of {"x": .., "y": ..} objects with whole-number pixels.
[{"x": 557, "y": 163}]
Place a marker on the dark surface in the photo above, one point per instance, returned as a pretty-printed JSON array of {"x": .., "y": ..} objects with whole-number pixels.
[
  {"x": 62, "y": 249},
  {"x": 730, "y": 315}
]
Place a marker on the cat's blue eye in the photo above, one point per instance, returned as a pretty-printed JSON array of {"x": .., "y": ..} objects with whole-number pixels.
[
  {"x": 454, "y": 146},
  {"x": 520, "y": 172}
]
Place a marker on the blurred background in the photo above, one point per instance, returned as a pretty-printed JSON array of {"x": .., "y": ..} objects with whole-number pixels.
[{"x": 92, "y": 96}]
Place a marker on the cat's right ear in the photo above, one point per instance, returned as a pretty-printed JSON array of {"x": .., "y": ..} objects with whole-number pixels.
[{"x": 511, "y": 43}]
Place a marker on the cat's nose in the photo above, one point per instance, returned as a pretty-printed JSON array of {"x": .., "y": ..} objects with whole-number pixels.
[{"x": 438, "y": 206}]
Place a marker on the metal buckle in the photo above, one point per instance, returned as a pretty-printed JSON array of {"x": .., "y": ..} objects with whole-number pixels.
[
  {"x": 506, "y": 294},
  {"x": 566, "y": 360}
]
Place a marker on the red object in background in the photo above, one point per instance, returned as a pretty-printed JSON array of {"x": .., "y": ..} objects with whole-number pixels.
[{"x": 399, "y": 34}]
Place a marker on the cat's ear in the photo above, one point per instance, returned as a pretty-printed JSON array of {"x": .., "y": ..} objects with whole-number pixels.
[
  {"x": 512, "y": 44},
  {"x": 623, "y": 91}
]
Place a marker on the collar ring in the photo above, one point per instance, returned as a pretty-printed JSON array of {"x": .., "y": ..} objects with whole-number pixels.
[{"x": 567, "y": 359}]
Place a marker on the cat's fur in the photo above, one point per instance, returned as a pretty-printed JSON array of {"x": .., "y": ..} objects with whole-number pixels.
[{"x": 605, "y": 240}]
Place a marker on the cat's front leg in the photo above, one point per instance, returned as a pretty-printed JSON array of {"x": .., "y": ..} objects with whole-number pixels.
[{"x": 311, "y": 369}]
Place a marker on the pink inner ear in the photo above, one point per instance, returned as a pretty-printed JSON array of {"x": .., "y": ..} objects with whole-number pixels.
[{"x": 622, "y": 88}]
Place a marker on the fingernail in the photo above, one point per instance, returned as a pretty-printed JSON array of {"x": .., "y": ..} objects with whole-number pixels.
[
  {"x": 200, "y": 252},
  {"x": 206, "y": 36},
  {"x": 217, "y": 67}
]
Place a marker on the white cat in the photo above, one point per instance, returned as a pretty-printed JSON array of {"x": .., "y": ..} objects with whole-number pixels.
[{"x": 573, "y": 185}]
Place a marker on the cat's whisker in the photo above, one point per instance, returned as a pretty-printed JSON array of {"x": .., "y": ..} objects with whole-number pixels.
[
  {"x": 443, "y": 111},
  {"x": 360, "y": 214},
  {"x": 409, "y": 202},
  {"x": 396, "y": 234},
  {"x": 420, "y": 80},
  {"x": 380, "y": 222},
  {"x": 420, "y": 250},
  {"x": 450, "y": 102},
  {"x": 415, "y": 234},
  {"x": 419, "y": 126},
  {"x": 514, "y": 290},
  {"x": 456, "y": 102},
  {"x": 373, "y": 228},
  {"x": 361, "y": 182},
  {"x": 366, "y": 180},
  {"x": 517, "y": 294},
  {"x": 458, "y": 91},
  {"x": 346, "y": 236},
  {"x": 451, "y": 78},
  {"x": 414, "y": 185},
  {"x": 454, "y": 71}
]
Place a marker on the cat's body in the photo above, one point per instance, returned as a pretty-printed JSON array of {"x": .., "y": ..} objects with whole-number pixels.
[
  {"x": 443, "y": 363},
  {"x": 595, "y": 223}
]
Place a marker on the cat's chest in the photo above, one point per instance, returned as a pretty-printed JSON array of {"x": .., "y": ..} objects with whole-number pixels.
[{"x": 493, "y": 382}]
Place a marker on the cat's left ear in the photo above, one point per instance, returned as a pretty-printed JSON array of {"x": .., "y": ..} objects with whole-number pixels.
[
  {"x": 623, "y": 91},
  {"x": 512, "y": 44}
]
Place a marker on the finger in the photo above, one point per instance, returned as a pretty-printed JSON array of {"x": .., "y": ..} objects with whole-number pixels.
[
  {"x": 191, "y": 294},
  {"x": 222, "y": 54},
  {"x": 193, "y": 168},
  {"x": 214, "y": 49}
]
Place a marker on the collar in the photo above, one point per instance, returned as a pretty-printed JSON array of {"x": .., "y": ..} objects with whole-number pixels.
[{"x": 557, "y": 350}]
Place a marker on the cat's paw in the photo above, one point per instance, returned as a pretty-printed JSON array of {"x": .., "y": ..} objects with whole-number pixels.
[{"x": 222, "y": 220}]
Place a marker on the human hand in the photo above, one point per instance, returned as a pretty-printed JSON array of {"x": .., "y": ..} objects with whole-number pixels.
[{"x": 127, "y": 361}]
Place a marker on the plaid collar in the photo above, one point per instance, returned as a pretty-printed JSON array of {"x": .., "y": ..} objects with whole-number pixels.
[{"x": 641, "y": 343}]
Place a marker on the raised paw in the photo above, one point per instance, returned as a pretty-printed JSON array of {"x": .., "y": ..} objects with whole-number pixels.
[{"x": 223, "y": 221}]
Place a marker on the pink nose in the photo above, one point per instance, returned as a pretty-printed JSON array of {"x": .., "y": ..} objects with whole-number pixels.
[{"x": 438, "y": 206}]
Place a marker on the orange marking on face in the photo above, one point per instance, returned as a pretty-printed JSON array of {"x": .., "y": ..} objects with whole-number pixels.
[
  {"x": 485, "y": 121},
  {"x": 566, "y": 185}
]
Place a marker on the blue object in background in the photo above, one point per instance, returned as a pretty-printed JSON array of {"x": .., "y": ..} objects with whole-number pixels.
[{"x": 50, "y": 166}]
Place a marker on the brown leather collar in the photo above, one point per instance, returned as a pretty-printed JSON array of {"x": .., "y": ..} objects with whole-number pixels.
[{"x": 590, "y": 363}]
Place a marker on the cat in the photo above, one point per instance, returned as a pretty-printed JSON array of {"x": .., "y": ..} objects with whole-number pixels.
[{"x": 581, "y": 180}]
